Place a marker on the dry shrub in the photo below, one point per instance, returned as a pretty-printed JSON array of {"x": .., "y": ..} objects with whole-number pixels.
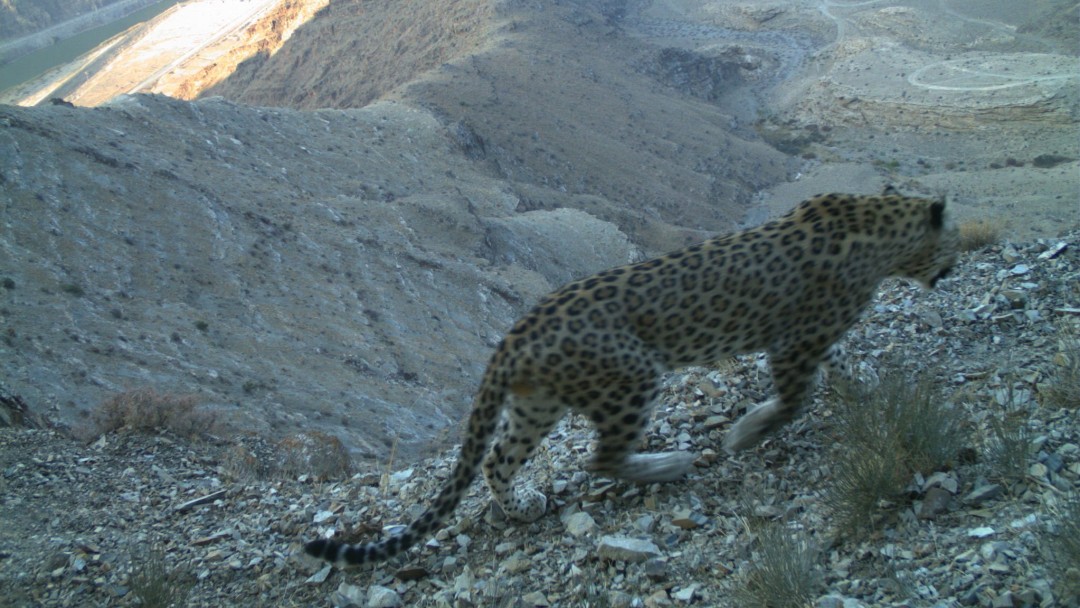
[
  {"x": 316, "y": 454},
  {"x": 977, "y": 234},
  {"x": 250, "y": 458},
  {"x": 148, "y": 411}
]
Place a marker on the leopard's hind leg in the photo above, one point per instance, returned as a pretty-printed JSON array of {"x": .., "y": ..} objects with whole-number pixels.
[
  {"x": 621, "y": 415},
  {"x": 530, "y": 418}
]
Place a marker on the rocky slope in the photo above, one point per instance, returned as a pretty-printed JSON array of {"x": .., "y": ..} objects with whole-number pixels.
[
  {"x": 99, "y": 523},
  {"x": 305, "y": 269},
  {"x": 348, "y": 271}
]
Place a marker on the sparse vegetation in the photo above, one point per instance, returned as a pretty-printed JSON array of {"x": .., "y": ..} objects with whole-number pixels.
[
  {"x": 315, "y": 454},
  {"x": 863, "y": 482},
  {"x": 784, "y": 572},
  {"x": 148, "y": 411},
  {"x": 1009, "y": 446},
  {"x": 1063, "y": 387},
  {"x": 885, "y": 434},
  {"x": 73, "y": 289},
  {"x": 980, "y": 233},
  {"x": 1063, "y": 550},
  {"x": 154, "y": 583}
]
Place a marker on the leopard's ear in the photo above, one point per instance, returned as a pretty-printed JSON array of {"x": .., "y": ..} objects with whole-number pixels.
[
  {"x": 890, "y": 190},
  {"x": 937, "y": 213}
]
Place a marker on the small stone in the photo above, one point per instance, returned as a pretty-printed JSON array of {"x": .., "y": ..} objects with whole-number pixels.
[
  {"x": 622, "y": 548},
  {"x": 535, "y": 598},
  {"x": 1019, "y": 269},
  {"x": 656, "y": 569},
  {"x": 410, "y": 573},
  {"x": 687, "y": 519},
  {"x": 517, "y": 563},
  {"x": 320, "y": 576},
  {"x": 658, "y": 598},
  {"x": 646, "y": 523},
  {"x": 1054, "y": 251},
  {"x": 1005, "y": 600},
  {"x": 713, "y": 422},
  {"x": 983, "y": 494},
  {"x": 620, "y": 599},
  {"x": 1053, "y": 462},
  {"x": 579, "y": 524},
  {"x": 324, "y": 516},
  {"x": 1038, "y": 470},
  {"x": 981, "y": 532},
  {"x": 940, "y": 479},
  {"x": 829, "y": 601},
  {"x": 400, "y": 477},
  {"x": 686, "y": 594},
  {"x": 383, "y": 597},
  {"x": 932, "y": 318},
  {"x": 347, "y": 595},
  {"x": 1016, "y": 298},
  {"x": 934, "y": 503}
]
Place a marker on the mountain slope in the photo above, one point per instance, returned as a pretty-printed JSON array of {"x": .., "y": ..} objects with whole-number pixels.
[
  {"x": 341, "y": 270},
  {"x": 560, "y": 101}
]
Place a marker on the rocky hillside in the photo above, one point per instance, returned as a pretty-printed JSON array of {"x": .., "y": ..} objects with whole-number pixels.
[
  {"x": 130, "y": 519},
  {"x": 305, "y": 269},
  {"x": 347, "y": 271},
  {"x": 557, "y": 99}
]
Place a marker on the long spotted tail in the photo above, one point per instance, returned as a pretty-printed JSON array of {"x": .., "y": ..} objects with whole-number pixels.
[{"x": 482, "y": 422}]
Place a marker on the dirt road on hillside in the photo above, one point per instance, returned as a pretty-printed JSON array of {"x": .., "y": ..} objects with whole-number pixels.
[{"x": 177, "y": 43}]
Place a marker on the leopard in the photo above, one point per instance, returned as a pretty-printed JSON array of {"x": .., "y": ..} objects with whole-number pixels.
[{"x": 600, "y": 346}]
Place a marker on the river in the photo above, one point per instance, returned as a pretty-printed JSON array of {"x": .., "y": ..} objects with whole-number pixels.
[{"x": 36, "y": 63}]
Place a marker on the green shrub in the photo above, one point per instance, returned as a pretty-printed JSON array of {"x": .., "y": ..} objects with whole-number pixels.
[
  {"x": 154, "y": 583},
  {"x": 1063, "y": 549},
  {"x": 1009, "y": 447},
  {"x": 885, "y": 434},
  {"x": 784, "y": 573},
  {"x": 1063, "y": 388}
]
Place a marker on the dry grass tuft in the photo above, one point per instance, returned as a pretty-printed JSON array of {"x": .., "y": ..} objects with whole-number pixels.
[
  {"x": 980, "y": 233},
  {"x": 150, "y": 412}
]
